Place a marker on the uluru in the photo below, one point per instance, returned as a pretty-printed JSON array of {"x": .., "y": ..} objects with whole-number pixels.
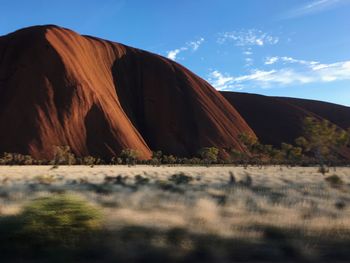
[{"x": 99, "y": 97}]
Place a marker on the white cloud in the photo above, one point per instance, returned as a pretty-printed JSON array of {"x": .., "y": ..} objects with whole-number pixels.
[
  {"x": 220, "y": 81},
  {"x": 195, "y": 44},
  {"x": 247, "y": 53},
  {"x": 192, "y": 45},
  {"x": 251, "y": 37},
  {"x": 248, "y": 61},
  {"x": 271, "y": 60},
  {"x": 298, "y": 61},
  {"x": 315, "y": 6},
  {"x": 333, "y": 72},
  {"x": 279, "y": 77},
  {"x": 173, "y": 53},
  {"x": 307, "y": 72}
]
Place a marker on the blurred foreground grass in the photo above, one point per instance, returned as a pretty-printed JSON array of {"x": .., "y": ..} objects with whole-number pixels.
[{"x": 105, "y": 214}]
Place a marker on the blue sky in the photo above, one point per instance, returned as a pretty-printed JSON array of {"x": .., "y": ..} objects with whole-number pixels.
[{"x": 296, "y": 48}]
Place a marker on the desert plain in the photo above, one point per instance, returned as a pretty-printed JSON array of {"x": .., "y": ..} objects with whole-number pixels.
[{"x": 198, "y": 213}]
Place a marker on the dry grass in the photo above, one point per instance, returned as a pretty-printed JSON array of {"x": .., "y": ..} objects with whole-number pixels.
[{"x": 283, "y": 213}]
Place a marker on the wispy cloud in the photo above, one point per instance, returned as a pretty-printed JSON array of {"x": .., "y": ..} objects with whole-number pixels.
[
  {"x": 195, "y": 44},
  {"x": 271, "y": 60},
  {"x": 248, "y": 61},
  {"x": 191, "y": 45},
  {"x": 221, "y": 81},
  {"x": 285, "y": 60},
  {"x": 308, "y": 72},
  {"x": 251, "y": 37},
  {"x": 248, "y": 53},
  {"x": 315, "y": 6}
]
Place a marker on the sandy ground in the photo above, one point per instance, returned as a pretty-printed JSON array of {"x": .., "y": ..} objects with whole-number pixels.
[{"x": 298, "y": 201}]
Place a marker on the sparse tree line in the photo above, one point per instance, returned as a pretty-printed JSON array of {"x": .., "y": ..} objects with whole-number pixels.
[{"x": 321, "y": 143}]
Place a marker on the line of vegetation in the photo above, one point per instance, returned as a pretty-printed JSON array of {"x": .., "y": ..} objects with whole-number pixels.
[{"x": 322, "y": 143}]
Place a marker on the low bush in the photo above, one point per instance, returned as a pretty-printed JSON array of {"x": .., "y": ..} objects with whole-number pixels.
[
  {"x": 334, "y": 180},
  {"x": 247, "y": 181},
  {"x": 62, "y": 220},
  {"x": 209, "y": 155},
  {"x": 63, "y": 156},
  {"x": 169, "y": 159},
  {"x": 88, "y": 160},
  {"x": 119, "y": 179},
  {"x": 140, "y": 180},
  {"x": 129, "y": 156},
  {"x": 180, "y": 178},
  {"x": 16, "y": 159},
  {"x": 116, "y": 160}
]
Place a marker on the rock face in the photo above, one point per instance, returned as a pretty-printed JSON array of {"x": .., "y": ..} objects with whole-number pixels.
[
  {"x": 277, "y": 119},
  {"x": 98, "y": 97},
  {"x": 337, "y": 114}
]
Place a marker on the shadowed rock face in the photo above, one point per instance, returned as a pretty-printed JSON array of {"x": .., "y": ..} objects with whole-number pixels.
[
  {"x": 277, "y": 119},
  {"x": 337, "y": 114},
  {"x": 273, "y": 120},
  {"x": 60, "y": 88}
]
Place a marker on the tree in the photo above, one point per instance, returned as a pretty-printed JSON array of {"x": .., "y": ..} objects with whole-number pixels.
[
  {"x": 235, "y": 155},
  {"x": 63, "y": 155},
  {"x": 209, "y": 154},
  {"x": 116, "y": 160},
  {"x": 157, "y": 157},
  {"x": 129, "y": 156},
  {"x": 250, "y": 142},
  {"x": 322, "y": 139},
  {"x": 258, "y": 152},
  {"x": 169, "y": 159},
  {"x": 291, "y": 153}
]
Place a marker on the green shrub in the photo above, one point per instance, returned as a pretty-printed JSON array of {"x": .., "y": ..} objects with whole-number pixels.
[
  {"x": 291, "y": 153},
  {"x": 129, "y": 156},
  {"x": 154, "y": 162},
  {"x": 63, "y": 156},
  {"x": 334, "y": 180},
  {"x": 62, "y": 220},
  {"x": 180, "y": 178},
  {"x": 16, "y": 159},
  {"x": 116, "y": 160},
  {"x": 193, "y": 161},
  {"x": 156, "y": 158},
  {"x": 322, "y": 139},
  {"x": 250, "y": 141},
  {"x": 140, "y": 180},
  {"x": 89, "y": 160},
  {"x": 169, "y": 159},
  {"x": 119, "y": 179},
  {"x": 209, "y": 154}
]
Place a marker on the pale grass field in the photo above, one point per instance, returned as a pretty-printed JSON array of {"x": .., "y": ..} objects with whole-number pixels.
[{"x": 291, "y": 205}]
